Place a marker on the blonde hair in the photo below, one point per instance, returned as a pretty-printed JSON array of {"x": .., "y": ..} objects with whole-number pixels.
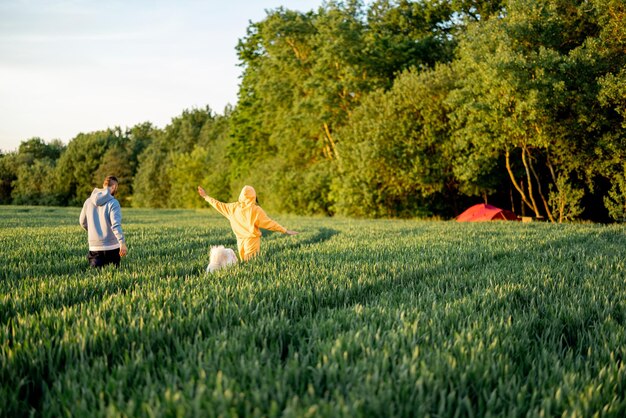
[{"x": 110, "y": 179}]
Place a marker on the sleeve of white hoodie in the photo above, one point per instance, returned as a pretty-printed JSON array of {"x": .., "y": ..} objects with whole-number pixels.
[
  {"x": 82, "y": 220},
  {"x": 115, "y": 216}
]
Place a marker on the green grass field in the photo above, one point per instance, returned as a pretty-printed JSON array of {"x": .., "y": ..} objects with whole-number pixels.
[{"x": 349, "y": 318}]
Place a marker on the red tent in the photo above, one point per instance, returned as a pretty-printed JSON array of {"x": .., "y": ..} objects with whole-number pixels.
[{"x": 484, "y": 212}]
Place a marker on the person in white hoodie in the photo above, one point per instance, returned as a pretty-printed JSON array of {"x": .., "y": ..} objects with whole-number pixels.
[{"x": 101, "y": 217}]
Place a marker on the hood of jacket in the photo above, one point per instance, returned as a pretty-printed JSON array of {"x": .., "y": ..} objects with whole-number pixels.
[
  {"x": 101, "y": 196},
  {"x": 247, "y": 197}
]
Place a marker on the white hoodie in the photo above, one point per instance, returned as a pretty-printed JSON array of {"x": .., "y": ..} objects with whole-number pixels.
[{"x": 101, "y": 217}]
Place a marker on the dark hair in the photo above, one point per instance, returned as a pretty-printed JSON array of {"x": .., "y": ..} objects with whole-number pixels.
[{"x": 110, "y": 179}]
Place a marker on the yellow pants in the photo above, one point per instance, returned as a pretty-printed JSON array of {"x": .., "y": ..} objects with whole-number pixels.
[{"x": 248, "y": 247}]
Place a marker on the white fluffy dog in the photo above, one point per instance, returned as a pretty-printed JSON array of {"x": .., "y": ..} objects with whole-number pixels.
[{"x": 220, "y": 257}]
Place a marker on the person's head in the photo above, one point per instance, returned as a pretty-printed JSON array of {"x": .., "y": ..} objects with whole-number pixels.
[
  {"x": 247, "y": 196},
  {"x": 112, "y": 183}
]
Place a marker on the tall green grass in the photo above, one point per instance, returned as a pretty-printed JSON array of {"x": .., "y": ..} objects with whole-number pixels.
[{"x": 349, "y": 318}]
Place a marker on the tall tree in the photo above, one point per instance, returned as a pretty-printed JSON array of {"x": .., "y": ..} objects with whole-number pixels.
[
  {"x": 529, "y": 97},
  {"x": 395, "y": 154},
  {"x": 303, "y": 76},
  {"x": 116, "y": 162},
  {"x": 35, "y": 184},
  {"x": 76, "y": 166},
  {"x": 36, "y": 148},
  {"x": 207, "y": 164},
  {"x": 152, "y": 184},
  {"x": 609, "y": 118},
  {"x": 34, "y": 167}
]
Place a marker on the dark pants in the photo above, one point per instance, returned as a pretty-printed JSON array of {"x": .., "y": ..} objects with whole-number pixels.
[{"x": 102, "y": 258}]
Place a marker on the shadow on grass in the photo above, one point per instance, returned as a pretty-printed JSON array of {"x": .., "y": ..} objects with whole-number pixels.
[{"x": 294, "y": 243}]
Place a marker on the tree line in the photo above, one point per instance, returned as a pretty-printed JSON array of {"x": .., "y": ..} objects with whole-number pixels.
[{"x": 396, "y": 108}]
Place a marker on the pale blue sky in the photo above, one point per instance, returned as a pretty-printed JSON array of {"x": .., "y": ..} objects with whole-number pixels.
[{"x": 71, "y": 66}]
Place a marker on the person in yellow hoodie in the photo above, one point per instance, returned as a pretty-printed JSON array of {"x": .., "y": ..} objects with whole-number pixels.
[{"x": 246, "y": 217}]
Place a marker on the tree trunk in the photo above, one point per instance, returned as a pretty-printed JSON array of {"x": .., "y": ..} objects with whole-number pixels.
[
  {"x": 543, "y": 199},
  {"x": 519, "y": 189},
  {"x": 530, "y": 182},
  {"x": 331, "y": 141}
]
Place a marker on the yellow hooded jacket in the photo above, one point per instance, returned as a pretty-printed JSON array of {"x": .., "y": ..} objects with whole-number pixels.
[{"x": 246, "y": 217}]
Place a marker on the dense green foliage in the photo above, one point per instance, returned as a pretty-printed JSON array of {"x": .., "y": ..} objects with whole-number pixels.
[
  {"x": 396, "y": 108},
  {"x": 187, "y": 152},
  {"x": 350, "y": 318}
]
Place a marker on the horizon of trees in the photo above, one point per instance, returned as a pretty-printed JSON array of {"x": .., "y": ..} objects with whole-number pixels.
[{"x": 395, "y": 109}]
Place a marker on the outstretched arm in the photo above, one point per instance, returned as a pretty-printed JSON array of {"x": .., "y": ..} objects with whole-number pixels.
[
  {"x": 221, "y": 207},
  {"x": 265, "y": 222}
]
